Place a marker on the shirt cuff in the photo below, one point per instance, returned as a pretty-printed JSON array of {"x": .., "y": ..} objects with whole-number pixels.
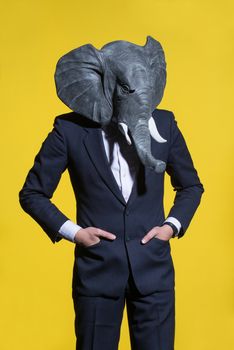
[
  {"x": 174, "y": 221},
  {"x": 68, "y": 230}
]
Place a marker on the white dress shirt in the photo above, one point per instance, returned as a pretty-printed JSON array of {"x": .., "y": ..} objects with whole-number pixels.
[{"x": 124, "y": 163}]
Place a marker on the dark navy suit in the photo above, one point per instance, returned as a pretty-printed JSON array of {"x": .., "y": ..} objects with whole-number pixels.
[{"x": 105, "y": 268}]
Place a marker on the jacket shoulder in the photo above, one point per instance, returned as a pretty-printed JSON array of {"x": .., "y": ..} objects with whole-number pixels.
[
  {"x": 164, "y": 118},
  {"x": 74, "y": 119},
  {"x": 164, "y": 114}
]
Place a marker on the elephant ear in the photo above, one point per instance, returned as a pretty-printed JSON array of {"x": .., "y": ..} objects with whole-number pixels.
[
  {"x": 156, "y": 58},
  {"x": 80, "y": 83}
]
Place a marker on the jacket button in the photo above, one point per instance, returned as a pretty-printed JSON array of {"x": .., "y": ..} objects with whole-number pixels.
[
  {"x": 128, "y": 238},
  {"x": 127, "y": 212}
]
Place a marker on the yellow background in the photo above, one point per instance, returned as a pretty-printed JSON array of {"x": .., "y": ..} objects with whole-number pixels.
[{"x": 36, "y": 310}]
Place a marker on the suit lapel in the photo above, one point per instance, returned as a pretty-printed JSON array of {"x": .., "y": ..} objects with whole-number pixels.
[{"x": 96, "y": 150}]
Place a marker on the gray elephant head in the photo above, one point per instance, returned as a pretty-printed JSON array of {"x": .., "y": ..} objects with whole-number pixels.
[{"x": 121, "y": 83}]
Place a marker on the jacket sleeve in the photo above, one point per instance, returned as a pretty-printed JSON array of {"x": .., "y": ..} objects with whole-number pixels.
[
  {"x": 42, "y": 180},
  {"x": 184, "y": 179}
]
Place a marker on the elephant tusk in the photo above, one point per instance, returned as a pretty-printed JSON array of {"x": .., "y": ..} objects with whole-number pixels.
[
  {"x": 154, "y": 131},
  {"x": 124, "y": 129}
]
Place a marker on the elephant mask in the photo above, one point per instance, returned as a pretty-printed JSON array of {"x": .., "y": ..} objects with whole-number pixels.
[{"x": 121, "y": 83}]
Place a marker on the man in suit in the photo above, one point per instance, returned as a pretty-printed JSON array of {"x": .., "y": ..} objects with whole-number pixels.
[{"x": 122, "y": 237}]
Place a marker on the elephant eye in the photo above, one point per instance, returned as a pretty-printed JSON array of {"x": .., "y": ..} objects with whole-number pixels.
[{"x": 125, "y": 89}]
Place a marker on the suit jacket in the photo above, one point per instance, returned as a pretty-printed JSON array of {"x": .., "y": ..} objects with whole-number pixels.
[{"x": 76, "y": 144}]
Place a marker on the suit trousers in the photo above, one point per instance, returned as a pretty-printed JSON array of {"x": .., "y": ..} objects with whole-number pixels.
[{"x": 151, "y": 319}]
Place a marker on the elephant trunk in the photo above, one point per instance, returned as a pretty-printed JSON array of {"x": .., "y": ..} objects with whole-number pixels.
[{"x": 141, "y": 137}]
